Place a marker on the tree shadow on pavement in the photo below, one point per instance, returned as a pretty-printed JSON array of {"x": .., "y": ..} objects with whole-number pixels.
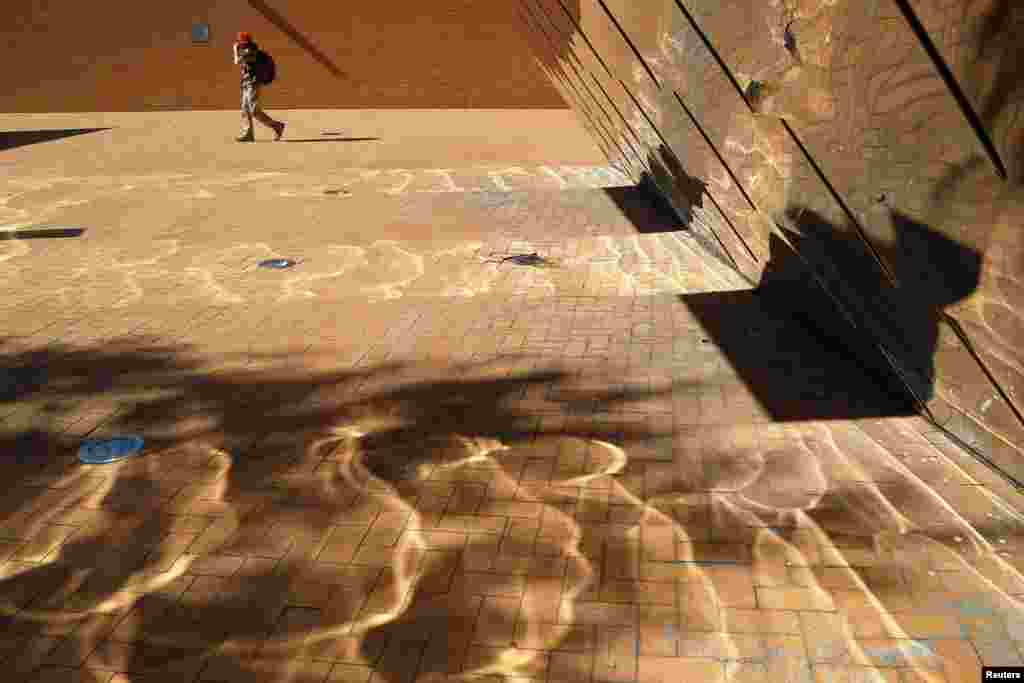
[
  {"x": 231, "y": 542},
  {"x": 290, "y": 518}
]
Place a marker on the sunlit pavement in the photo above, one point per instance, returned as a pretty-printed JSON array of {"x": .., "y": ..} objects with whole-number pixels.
[{"x": 488, "y": 424}]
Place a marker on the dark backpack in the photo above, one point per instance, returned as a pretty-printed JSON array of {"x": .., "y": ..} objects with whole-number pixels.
[{"x": 265, "y": 69}]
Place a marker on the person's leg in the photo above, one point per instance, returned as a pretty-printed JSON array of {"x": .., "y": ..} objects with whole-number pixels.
[
  {"x": 264, "y": 118},
  {"x": 247, "y": 105}
]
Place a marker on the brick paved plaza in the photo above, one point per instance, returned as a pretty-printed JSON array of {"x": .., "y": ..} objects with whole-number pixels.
[{"x": 502, "y": 420}]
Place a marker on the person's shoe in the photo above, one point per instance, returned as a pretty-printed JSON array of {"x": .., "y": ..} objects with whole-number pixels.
[
  {"x": 247, "y": 137},
  {"x": 278, "y": 130}
]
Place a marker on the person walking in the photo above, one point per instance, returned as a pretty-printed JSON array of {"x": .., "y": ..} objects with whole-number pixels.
[{"x": 254, "y": 68}]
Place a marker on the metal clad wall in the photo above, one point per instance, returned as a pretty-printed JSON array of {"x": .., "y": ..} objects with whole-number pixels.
[{"x": 881, "y": 141}]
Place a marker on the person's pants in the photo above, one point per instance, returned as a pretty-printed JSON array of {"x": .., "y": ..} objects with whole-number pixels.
[{"x": 251, "y": 109}]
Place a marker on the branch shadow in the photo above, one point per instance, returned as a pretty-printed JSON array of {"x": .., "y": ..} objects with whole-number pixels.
[
  {"x": 994, "y": 56},
  {"x": 9, "y": 139},
  {"x": 999, "y": 40}
]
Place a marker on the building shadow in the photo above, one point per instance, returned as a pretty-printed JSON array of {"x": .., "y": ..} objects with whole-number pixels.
[
  {"x": 992, "y": 61},
  {"x": 793, "y": 372},
  {"x": 829, "y": 279},
  {"x": 9, "y": 139},
  {"x": 823, "y": 335},
  {"x": 665, "y": 198},
  {"x": 682, "y": 191},
  {"x": 686, "y": 198},
  {"x": 644, "y": 208},
  {"x": 286, "y": 27},
  {"x": 41, "y": 234}
]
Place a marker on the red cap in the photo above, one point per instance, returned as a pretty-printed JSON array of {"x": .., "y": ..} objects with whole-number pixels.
[{"x": 244, "y": 37}]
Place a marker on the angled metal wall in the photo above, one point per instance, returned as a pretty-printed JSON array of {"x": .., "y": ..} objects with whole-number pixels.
[{"x": 861, "y": 158}]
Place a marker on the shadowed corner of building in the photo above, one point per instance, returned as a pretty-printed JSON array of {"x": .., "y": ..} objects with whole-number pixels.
[
  {"x": 645, "y": 208},
  {"x": 9, "y": 139},
  {"x": 683, "y": 191},
  {"x": 842, "y": 292},
  {"x": 664, "y": 198},
  {"x": 835, "y": 287}
]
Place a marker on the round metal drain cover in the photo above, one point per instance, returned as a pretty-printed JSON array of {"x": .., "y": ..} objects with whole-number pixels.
[
  {"x": 104, "y": 451},
  {"x": 277, "y": 263}
]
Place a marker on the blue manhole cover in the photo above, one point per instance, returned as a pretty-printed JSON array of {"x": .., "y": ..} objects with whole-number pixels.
[
  {"x": 101, "y": 452},
  {"x": 277, "y": 263}
]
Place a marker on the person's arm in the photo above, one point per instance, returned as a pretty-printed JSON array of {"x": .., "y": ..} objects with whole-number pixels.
[{"x": 235, "y": 51}]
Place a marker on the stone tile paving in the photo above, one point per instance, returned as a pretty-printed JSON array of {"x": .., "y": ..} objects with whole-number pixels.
[
  {"x": 537, "y": 480},
  {"x": 527, "y": 494}
]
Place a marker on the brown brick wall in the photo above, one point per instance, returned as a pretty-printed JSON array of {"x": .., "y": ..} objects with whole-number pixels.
[{"x": 111, "y": 55}]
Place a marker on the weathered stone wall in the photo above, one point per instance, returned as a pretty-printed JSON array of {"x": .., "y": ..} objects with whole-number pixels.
[
  {"x": 123, "y": 56},
  {"x": 860, "y": 159}
]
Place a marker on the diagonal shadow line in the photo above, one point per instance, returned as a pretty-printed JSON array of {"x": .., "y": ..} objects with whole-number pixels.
[
  {"x": 275, "y": 18},
  {"x": 334, "y": 140},
  {"x": 43, "y": 233},
  {"x": 9, "y": 139}
]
